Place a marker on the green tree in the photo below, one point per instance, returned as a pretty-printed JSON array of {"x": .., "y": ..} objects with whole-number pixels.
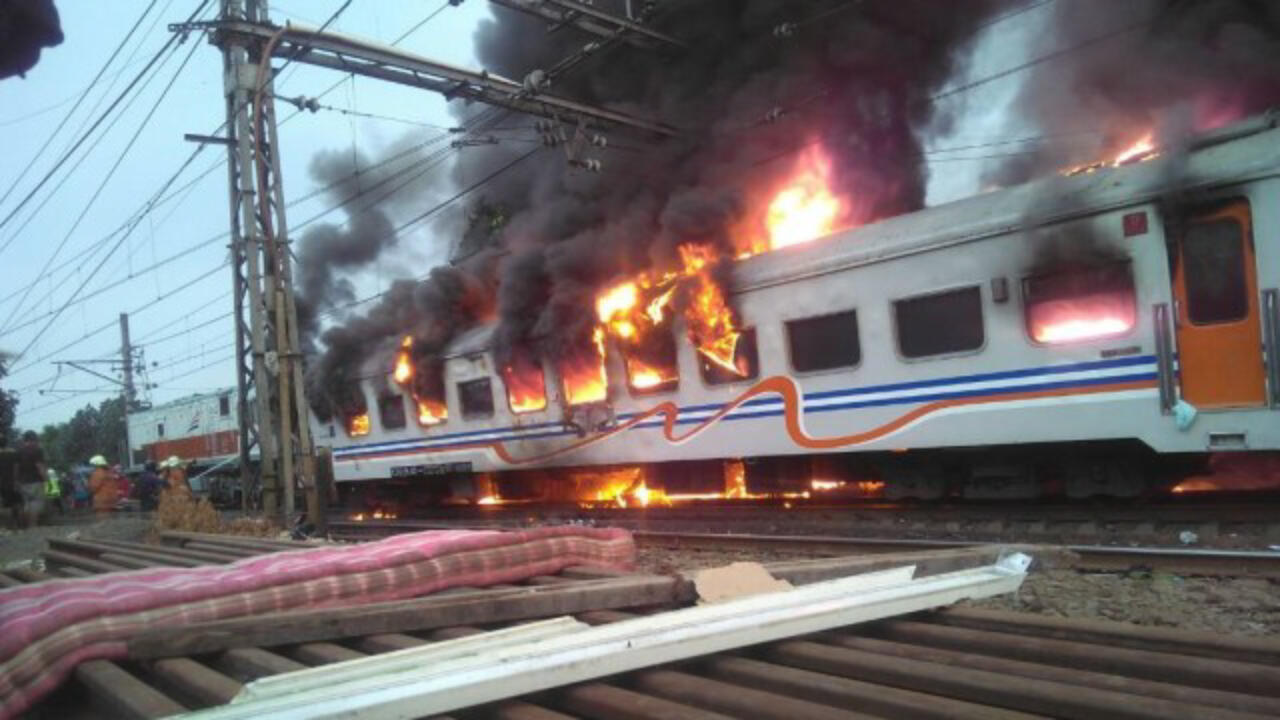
[
  {"x": 8, "y": 403},
  {"x": 91, "y": 431}
]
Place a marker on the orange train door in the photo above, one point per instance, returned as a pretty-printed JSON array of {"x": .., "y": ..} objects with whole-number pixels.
[{"x": 1219, "y": 334}]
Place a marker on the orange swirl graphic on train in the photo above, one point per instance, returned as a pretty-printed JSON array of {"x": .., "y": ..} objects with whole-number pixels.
[{"x": 792, "y": 400}]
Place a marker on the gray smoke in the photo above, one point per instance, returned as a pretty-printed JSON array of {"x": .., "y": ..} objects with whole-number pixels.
[
  {"x": 855, "y": 80},
  {"x": 852, "y": 78},
  {"x": 1170, "y": 66}
]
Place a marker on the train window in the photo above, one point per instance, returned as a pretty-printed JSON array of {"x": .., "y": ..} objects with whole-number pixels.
[
  {"x": 160, "y": 430},
  {"x": 224, "y": 405},
  {"x": 1213, "y": 253},
  {"x": 391, "y": 412},
  {"x": 746, "y": 362},
  {"x": 476, "y": 397},
  {"x": 651, "y": 365},
  {"x": 1080, "y": 304},
  {"x": 526, "y": 384},
  {"x": 824, "y": 342},
  {"x": 939, "y": 323}
]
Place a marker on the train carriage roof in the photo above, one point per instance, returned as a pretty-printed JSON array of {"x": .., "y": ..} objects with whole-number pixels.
[
  {"x": 1247, "y": 150},
  {"x": 1244, "y": 151}
]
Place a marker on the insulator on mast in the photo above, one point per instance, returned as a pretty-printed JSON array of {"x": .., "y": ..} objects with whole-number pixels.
[
  {"x": 599, "y": 140},
  {"x": 535, "y": 81},
  {"x": 588, "y": 164},
  {"x": 784, "y": 30},
  {"x": 774, "y": 114}
]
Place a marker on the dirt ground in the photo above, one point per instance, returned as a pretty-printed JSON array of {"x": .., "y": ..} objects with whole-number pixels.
[
  {"x": 19, "y": 547},
  {"x": 1236, "y": 606},
  {"x": 1240, "y": 606}
]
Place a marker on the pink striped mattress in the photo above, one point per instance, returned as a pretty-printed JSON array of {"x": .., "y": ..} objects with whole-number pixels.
[{"x": 47, "y": 628}]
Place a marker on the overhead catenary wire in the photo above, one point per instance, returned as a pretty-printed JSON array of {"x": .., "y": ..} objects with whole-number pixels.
[
  {"x": 1084, "y": 44},
  {"x": 101, "y": 118},
  {"x": 150, "y": 205},
  {"x": 146, "y": 120},
  {"x": 78, "y": 100}
]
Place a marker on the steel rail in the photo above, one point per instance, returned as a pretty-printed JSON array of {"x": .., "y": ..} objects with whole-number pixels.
[{"x": 1189, "y": 561}]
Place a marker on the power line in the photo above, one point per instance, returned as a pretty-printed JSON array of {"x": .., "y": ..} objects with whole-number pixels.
[
  {"x": 83, "y": 94},
  {"x": 107, "y": 178},
  {"x": 1040, "y": 60},
  {"x": 105, "y": 113}
]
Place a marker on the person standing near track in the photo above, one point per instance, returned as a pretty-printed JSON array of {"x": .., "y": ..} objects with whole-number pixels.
[
  {"x": 102, "y": 483},
  {"x": 8, "y": 484},
  {"x": 53, "y": 491},
  {"x": 31, "y": 475}
]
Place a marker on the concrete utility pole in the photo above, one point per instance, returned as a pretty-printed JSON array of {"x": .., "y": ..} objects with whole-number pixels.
[
  {"x": 271, "y": 396},
  {"x": 130, "y": 393},
  {"x": 128, "y": 389}
]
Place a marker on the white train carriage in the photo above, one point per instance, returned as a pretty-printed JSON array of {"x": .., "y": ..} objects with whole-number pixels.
[{"x": 1131, "y": 307}]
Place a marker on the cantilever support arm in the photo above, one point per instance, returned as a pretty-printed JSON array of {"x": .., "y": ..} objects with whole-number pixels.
[{"x": 384, "y": 62}]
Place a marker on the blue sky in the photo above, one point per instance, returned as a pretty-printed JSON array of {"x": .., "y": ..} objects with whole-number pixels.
[{"x": 187, "y": 335}]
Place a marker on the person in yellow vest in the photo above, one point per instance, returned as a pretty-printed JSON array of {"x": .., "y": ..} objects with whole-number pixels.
[
  {"x": 102, "y": 483},
  {"x": 53, "y": 490},
  {"x": 176, "y": 475}
]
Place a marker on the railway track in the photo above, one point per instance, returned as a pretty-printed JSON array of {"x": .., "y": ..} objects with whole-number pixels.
[{"x": 1096, "y": 558}]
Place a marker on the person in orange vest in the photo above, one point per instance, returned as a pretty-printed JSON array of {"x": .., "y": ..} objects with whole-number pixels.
[
  {"x": 176, "y": 475},
  {"x": 102, "y": 483}
]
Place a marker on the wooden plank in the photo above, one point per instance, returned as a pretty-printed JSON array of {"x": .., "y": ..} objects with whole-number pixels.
[
  {"x": 170, "y": 551},
  {"x": 1114, "y": 634},
  {"x": 827, "y": 689},
  {"x": 62, "y": 559},
  {"x": 424, "y": 613},
  {"x": 735, "y": 700},
  {"x": 132, "y": 550},
  {"x": 130, "y": 562},
  {"x": 1070, "y": 676},
  {"x": 1026, "y": 694},
  {"x": 1228, "y": 675},
  {"x": 520, "y": 710},
  {"x": 196, "y": 684},
  {"x": 27, "y": 575},
  {"x": 387, "y": 642},
  {"x": 247, "y": 664},
  {"x": 235, "y": 553},
  {"x": 179, "y": 537},
  {"x": 7, "y": 582},
  {"x": 116, "y": 693},
  {"x": 323, "y": 653},
  {"x": 607, "y": 702}
]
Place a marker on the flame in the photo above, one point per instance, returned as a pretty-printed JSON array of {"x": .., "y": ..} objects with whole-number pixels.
[
  {"x": 1140, "y": 151},
  {"x": 1096, "y": 315},
  {"x": 711, "y": 322},
  {"x": 403, "y": 371},
  {"x": 827, "y": 484},
  {"x": 489, "y": 500},
  {"x": 805, "y": 208},
  {"x": 526, "y": 388},
  {"x": 1144, "y": 146},
  {"x": 583, "y": 372},
  {"x": 431, "y": 411},
  {"x": 620, "y": 313},
  {"x": 358, "y": 425}
]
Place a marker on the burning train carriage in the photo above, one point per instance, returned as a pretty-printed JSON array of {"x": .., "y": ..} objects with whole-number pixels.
[{"x": 1068, "y": 325}]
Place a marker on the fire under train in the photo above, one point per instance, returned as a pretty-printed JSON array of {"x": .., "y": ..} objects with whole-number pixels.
[{"x": 1093, "y": 333}]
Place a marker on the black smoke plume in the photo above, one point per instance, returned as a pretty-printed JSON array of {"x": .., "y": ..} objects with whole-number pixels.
[
  {"x": 1168, "y": 67},
  {"x": 759, "y": 83},
  {"x": 851, "y": 78}
]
